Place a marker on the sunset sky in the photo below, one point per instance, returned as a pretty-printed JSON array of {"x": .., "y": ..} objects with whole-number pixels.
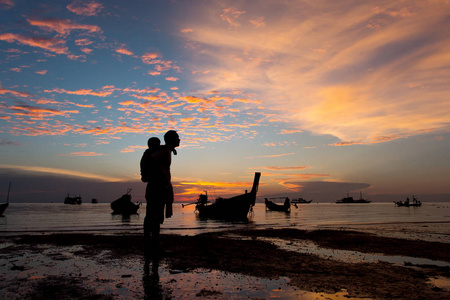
[{"x": 322, "y": 97}]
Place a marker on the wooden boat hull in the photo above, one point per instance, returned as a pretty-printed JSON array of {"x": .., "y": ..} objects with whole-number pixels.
[{"x": 235, "y": 208}]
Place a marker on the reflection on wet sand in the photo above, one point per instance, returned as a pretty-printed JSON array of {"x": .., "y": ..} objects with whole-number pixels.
[{"x": 152, "y": 286}]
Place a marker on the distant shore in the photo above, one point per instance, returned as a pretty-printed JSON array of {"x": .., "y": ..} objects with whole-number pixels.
[{"x": 113, "y": 266}]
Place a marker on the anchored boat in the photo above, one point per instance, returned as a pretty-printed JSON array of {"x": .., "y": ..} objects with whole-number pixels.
[
  {"x": 270, "y": 205},
  {"x": 349, "y": 199},
  {"x": 235, "y": 208},
  {"x": 124, "y": 206}
]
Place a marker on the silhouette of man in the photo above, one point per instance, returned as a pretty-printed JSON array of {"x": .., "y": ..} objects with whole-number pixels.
[{"x": 159, "y": 191}]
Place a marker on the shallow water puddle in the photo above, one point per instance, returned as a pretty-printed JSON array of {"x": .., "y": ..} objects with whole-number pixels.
[
  {"x": 441, "y": 282},
  {"x": 350, "y": 256},
  {"x": 223, "y": 285}
]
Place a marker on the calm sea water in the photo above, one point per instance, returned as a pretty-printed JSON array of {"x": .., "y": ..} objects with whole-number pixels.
[{"x": 49, "y": 217}]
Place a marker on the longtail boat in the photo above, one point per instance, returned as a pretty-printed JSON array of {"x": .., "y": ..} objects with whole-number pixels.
[
  {"x": 415, "y": 202},
  {"x": 235, "y": 208},
  {"x": 124, "y": 206},
  {"x": 270, "y": 205}
]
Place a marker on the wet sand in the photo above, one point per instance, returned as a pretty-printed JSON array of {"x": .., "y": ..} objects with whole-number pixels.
[{"x": 244, "y": 264}]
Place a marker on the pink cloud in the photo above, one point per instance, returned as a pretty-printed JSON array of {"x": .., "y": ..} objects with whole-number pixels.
[
  {"x": 172, "y": 78},
  {"x": 6, "y": 4},
  {"x": 85, "y": 8},
  {"x": 86, "y": 50},
  {"x": 63, "y": 26},
  {"x": 50, "y": 44},
  {"x": 43, "y": 72}
]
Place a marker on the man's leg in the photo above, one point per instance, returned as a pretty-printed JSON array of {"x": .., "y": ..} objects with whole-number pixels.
[{"x": 147, "y": 231}]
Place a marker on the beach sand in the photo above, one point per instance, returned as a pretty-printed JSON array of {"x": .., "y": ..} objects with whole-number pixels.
[{"x": 244, "y": 264}]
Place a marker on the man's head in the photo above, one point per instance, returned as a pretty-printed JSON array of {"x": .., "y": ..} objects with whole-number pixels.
[{"x": 172, "y": 139}]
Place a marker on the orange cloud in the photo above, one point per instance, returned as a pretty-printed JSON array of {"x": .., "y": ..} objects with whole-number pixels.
[
  {"x": 221, "y": 188},
  {"x": 360, "y": 86},
  {"x": 43, "y": 72},
  {"x": 63, "y": 26},
  {"x": 132, "y": 149},
  {"x": 344, "y": 143},
  {"x": 28, "y": 110},
  {"x": 259, "y": 22},
  {"x": 85, "y": 8},
  {"x": 172, "y": 78},
  {"x": 124, "y": 51},
  {"x": 275, "y": 168},
  {"x": 230, "y": 15},
  {"x": 48, "y": 44},
  {"x": 13, "y": 92},
  {"x": 42, "y": 129},
  {"x": 83, "y": 92},
  {"x": 290, "y": 131},
  {"x": 150, "y": 58}
]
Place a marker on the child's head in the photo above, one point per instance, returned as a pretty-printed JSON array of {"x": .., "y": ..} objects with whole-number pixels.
[{"x": 153, "y": 143}]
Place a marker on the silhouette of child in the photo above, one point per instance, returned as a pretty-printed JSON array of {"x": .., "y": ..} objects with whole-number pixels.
[{"x": 147, "y": 159}]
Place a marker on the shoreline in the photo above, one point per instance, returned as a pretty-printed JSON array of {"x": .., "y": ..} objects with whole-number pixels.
[{"x": 81, "y": 265}]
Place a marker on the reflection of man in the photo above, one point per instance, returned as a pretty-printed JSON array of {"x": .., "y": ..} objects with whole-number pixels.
[{"x": 159, "y": 192}]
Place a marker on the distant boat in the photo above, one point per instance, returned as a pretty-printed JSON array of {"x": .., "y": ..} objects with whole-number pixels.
[
  {"x": 72, "y": 200},
  {"x": 124, "y": 206},
  {"x": 4, "y": 206},
  {"x": 235, "y": 208},
  {"x": 415, "y": 202},
  {"x": 300, "y": 201},
  {"x": 270, "y": 205},
  {"x": 94, "y": 201},
  {"x": 350, "y": 199}
]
